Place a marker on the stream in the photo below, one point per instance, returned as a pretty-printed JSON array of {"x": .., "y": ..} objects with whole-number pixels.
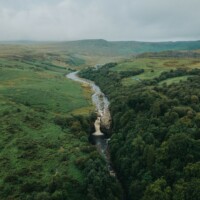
[{"x": 103, "y": 118}]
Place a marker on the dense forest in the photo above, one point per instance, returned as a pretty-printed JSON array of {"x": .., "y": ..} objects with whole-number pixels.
[{"x": 155, "y": 142}]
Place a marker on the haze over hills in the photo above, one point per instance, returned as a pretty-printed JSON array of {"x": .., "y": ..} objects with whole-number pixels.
[
  {"x": 84, "y": 53},
  {"x": 112, "y": 48},
  {"x": 127, "y": 47},
  {"x": 91, "y": 51}
]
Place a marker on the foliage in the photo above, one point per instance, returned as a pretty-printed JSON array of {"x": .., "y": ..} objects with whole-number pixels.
[
  {"x": 45, "y": 153},
  {"x": 155, "y": 141}
]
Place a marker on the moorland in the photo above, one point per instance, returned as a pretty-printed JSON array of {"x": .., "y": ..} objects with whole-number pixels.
[{"x": 46, "y": 119}]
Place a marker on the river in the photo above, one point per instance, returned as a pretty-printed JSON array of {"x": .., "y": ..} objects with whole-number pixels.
[{"x": 103, "y": 118}]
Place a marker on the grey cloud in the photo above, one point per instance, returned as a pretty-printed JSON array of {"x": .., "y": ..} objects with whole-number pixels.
[{"x": 147, "y": 20}]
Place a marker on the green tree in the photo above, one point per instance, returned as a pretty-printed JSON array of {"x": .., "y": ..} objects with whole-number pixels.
[{"x": 158, "y": 191}]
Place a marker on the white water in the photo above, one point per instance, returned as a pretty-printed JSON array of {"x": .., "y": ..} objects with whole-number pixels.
[
  {"x": 104, "y": 118},
  {"x": 99, "y": 100}
]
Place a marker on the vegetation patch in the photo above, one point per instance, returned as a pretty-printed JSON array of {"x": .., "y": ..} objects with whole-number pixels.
[
  {"x": 45, "y": 123},
  {"x": 155, "y": 134}
]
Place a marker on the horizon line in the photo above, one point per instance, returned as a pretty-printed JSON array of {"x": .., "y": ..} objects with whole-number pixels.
[{"x": 61, "y": 41}]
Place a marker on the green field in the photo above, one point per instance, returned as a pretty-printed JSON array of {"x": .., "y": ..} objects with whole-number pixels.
[
  {"x": 45, "y": 122},
  {"x": 65, "y": 55},
  {"x": 44, "y": 131},
  {"x": 174, "y": 80},
  {"x": 153, "y": 67}
]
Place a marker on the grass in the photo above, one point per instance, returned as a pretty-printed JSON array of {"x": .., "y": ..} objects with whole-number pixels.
[
  {"x": 153, "y": 67},
  {"x": 54, "y": 54},
  {"x": 56, "y": 93},
  {"x": 174, "y": 80},
  {"x": 84, "y": 53},
  {"x": 33, "y": 148}
]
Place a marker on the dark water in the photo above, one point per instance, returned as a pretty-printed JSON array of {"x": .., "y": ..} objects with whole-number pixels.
[{"x": 101, "y": 143}]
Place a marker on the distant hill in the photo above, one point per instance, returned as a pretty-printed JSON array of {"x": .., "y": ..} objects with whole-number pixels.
[
  {"x": 83, "y": 53},
  {"x": 171, "y": 54},
  {"x": 121, "y": 48},
  {"x": 111, "y": 48}
]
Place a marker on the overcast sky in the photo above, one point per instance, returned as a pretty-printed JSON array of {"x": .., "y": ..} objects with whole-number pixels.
[{"x": 143, "y": 20}]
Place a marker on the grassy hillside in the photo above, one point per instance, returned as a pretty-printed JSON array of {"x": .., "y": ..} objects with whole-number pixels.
[
  {"x": 45, "y": 120},
  {"x": 59, "y": 54},
  {"x": 124, "y": 48},
  {"x": 89, "y": 52},
  {"x": 153, "y": 67}
]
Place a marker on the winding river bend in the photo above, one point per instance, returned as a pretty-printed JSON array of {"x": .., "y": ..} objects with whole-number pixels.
[{"x": 103, "y": 117}]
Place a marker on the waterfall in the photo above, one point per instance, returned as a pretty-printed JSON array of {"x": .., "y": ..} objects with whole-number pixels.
[{"x": 103, "y": 118}]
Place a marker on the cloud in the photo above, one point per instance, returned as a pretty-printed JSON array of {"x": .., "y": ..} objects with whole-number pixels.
[{"x": 147, "y": 20}]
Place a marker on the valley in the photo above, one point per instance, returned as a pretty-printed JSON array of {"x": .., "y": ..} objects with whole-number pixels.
[{"x": 144, "y": 98}]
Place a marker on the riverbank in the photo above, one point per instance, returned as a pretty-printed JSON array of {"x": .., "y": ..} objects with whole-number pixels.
[
  {"x": 103, "y": 118},
  {"x": 99, "y": 100}
]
